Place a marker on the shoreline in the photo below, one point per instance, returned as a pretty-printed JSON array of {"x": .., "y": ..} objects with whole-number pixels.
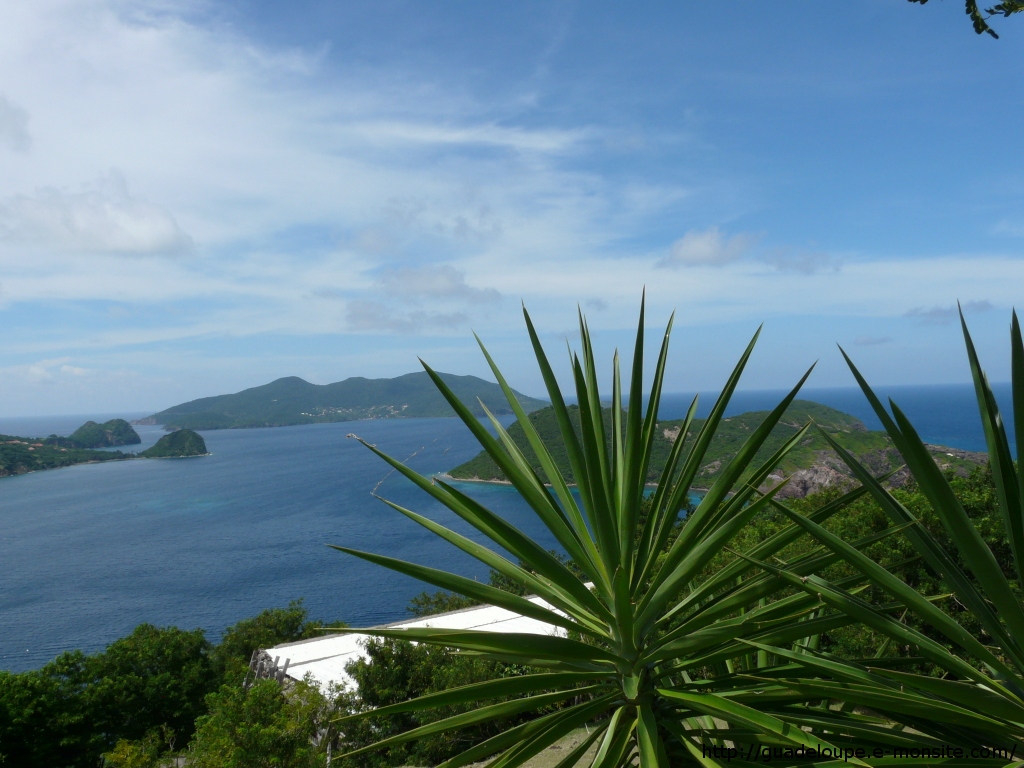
[
  {"x": 174, "y": 428},
  {"x": 448, "y": 478},
  {"x": 105, "y": 461}
]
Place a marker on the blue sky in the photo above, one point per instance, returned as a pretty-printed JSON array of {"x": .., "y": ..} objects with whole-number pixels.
[{"x": 199, "y": 197}]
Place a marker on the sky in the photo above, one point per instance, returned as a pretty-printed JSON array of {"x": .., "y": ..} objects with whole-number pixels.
[{"x": 200, "y": 197}]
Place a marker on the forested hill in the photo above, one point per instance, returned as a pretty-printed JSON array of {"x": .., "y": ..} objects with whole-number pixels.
[
  {"x": 111, "y": 433},
  {"x": 180, "y": 443},
  {"x": 115, "y": 432},
  {"x": 811, "y": 466},
  {"x": 295, "y": 401}
]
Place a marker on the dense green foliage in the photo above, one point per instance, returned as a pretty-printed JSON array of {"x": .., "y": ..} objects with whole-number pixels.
[
  {"x": 271, "y": 627},
  {"x": 141, "y": 695},
  {"x": 106, "y": 435},
  {"x": 262, "y": 727},
  {"x": 77, "y": 706},
  {"x": 19, "y": 455},
  {"x": 295, "y": 401},
  {"x": 179, "y": 443},
  {"x": 862, "y": 519},
  {"x": 872, "y": 448}
]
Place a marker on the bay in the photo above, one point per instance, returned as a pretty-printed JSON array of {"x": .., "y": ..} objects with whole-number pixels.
[{"x": 91, "y": 551}]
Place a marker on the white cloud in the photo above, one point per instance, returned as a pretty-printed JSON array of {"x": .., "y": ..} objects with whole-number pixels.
[
  {"x": 746, "y": 291},
  {"x": 872, "y": 341},
  {"x": 373, "y": 316},
  {"x": 425, "y": 134},
  {"x": 706, "y": 248},
  {"x": 316, "y": 188},
  {"x": 14, "y": 126},
  {"x": 804, "y": 262},
  {"x": 236, "y": 144},
  {"x": 47, "y": 370},
  {"x": 435, "y": 282},
  {"x": 942, "y": 315},
  {"x": 107, "y": 220},
  {"x": 38, "y": 373}
]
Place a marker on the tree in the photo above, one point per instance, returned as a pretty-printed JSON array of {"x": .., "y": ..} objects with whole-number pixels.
[
  {"x": 153, "y": 677},
  {"x": 262, "y": 726},
  {"x": 1005, "y": 9},
  {"x": 151, "y": 751},
  {"x": 43, "y": 719},
  {"x": 138, "y": 698},
  {"x": 265, "y": 630},
  {"x": 77, "y": 707}
]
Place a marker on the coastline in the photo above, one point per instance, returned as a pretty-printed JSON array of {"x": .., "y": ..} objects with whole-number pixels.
[
  {"x": 392, "y": 417},
  {"x": 193, "y": 456},
  {"x": 105, "y": 461},
  {"x": 448, "y": 478},
  {"x": 68, "y": 466}
]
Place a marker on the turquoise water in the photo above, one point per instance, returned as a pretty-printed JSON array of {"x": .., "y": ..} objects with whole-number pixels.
[{"x": 89, "y": 552}]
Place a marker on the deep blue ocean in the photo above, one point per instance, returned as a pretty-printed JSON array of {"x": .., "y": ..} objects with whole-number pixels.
[{"x": 89, "y": 552}]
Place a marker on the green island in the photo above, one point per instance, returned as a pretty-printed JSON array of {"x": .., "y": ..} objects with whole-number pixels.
[
  {"x": 20, "y": 455},
  {"x": 809, "y": 467},
  {"x": 109, "y": 434},
  {"x": 177, "y": 444},
  {"x": 291, "y": 400}
]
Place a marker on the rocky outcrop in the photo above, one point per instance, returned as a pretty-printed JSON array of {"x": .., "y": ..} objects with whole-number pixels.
[
  {"x": 804, "y": 482},
  {"x": 829, "y": 471},
  {"x": 177, "y": 444}
]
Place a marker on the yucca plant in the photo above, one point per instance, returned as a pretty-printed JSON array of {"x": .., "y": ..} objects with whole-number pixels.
[
  {"x": 979, "y": 699},
  {"x": 660, "y": 658}
]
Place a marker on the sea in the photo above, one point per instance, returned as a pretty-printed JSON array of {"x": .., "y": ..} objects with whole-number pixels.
[{"x": 89, "y": 552}]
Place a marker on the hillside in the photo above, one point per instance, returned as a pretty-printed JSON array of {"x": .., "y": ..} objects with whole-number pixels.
[
  {"x": 295, "y": 401},
  {"x": 812, "y": 465},
  {"x": 109, "y": 434}
]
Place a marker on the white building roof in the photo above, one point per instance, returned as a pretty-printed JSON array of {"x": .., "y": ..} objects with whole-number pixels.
[{"x": 325, "y": 658}]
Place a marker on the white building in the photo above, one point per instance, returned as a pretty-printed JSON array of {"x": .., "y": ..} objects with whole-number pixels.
[{"x": 325, "y": 658}]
